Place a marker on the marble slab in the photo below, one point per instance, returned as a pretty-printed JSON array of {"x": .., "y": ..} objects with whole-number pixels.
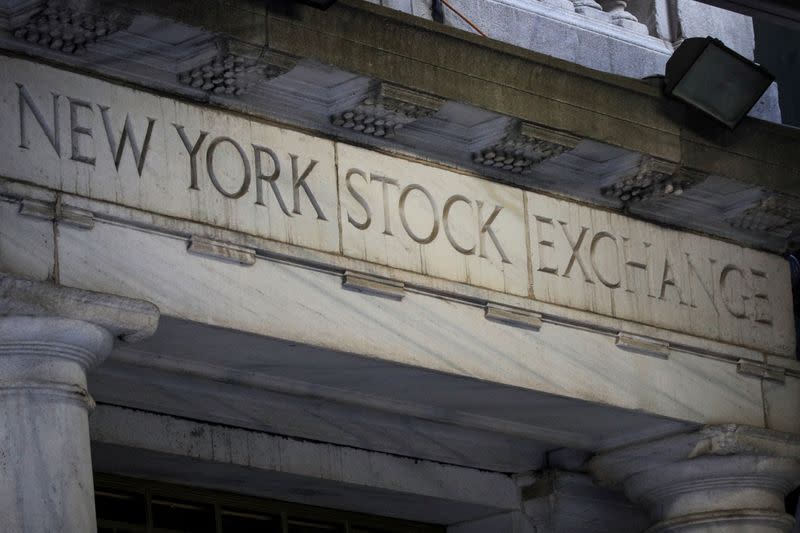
[
  {"x": 113, "y": 143},
  {"x": 606, "y": 263},
  {"x": 89, "y": 137},
  {"x": 431, "y": 221}
]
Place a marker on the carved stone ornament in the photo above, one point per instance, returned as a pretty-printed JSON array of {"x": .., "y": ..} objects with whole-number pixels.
[
  {"x": 620, "y": 16},
  {"x": 524, "y": 147},
  {"x": 654, "y": 179},
  {"x": 60, "y": 26},
  {"x": 718, "y": 479},
  {"x": 772, "y": 213},
  {"x": 385, "y": 110},
  {"x": 233, "y": 74}
]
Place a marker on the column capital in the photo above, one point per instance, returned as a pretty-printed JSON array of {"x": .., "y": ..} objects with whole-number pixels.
[
  {"x": 727, "y": 478},
  {"x": 49, "y": 337},
  {"x": 125, "y": 318}
]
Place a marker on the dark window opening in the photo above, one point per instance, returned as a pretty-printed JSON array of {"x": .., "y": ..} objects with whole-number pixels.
[{"x": 126, "y": 505}]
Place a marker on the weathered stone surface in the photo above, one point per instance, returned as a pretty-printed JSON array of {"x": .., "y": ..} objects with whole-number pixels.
[
  {"x": 423, "y": 330},
  {"x": 595, "y": 260},
  {"x": 165, "y": 157},
  {"x": 49, "y": 337},
  {"x": 276, "y": 466},
  {"x": 59, "y": 25},
  {"x": 432, "y": 221},
  {"x": 716, "y": 480},
  {"x": 126, "y": 318},
  {"x": 46, "y": 470},
  {"x": 130, "y": 147},
  {"x": 26, "y": 244}
]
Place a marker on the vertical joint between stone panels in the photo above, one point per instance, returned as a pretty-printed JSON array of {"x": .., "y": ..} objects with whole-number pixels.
[
  {"x": 223, "y": 251},
  {"x": 513, "y": 316},
  {"x": 375, "y": 285},
  {"x": 642, "y": 345},
  {"x": 761, "y": 370}
]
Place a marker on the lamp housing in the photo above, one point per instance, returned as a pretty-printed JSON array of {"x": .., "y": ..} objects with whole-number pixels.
[{"x": 711, "y": 77}]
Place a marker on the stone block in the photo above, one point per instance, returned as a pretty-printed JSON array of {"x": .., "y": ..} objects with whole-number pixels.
[{"x": 431, "y": 221}]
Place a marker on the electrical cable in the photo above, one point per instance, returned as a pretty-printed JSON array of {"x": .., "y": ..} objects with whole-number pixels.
[{"x": 462, "y": 17}]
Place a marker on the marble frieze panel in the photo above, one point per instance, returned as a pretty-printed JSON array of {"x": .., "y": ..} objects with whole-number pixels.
[
  {"x": 432, "y": 221},
  {"x": 92, "y": 138},
  {"x": 613, "y": 265},
  {"x": 104, "y": 141}
]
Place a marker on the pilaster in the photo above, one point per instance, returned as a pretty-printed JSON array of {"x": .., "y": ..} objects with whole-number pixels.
[{"x": 725, "y": 478}]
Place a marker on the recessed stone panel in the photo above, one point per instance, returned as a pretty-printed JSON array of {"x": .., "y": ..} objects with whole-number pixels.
[
  {"x": 606, "y": 263},
  {"x": 431, "y": 221},
  {"x": 85, "y": 136}
]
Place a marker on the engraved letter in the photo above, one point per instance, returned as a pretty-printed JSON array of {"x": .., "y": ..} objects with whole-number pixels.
[
  {"x": 630, "y": 265},
  {"x": 762, "y": 310},
  {"x": 52, "y": 134},
  {"x": 486, "y": 229},
  {"x": 576, "y": 252},
  {"x": 668, "y": 279},
  {"x": 192, "y": 149},
  {"x": 434, "y": 229},
  {"x": 127, "y": 135},
  {"x": 299, "y": 180},
  {"x": 446, "y": 222},
  {"x": 271, "y": 179},
  {"x": 593, "y": 259},
  {"x": 358, "y": 198},
  {"x": 76, "y": 130},
  {"x": 738, "y": 312},
  {"x": 708, "y": 287},
  {"x": 210, "y": 167},
  {"x": 385, "y": 182},
  {"x": 544, "y": 243}
]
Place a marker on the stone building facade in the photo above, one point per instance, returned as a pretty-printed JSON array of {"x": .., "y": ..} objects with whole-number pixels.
[{"x": 354, "y": 270}]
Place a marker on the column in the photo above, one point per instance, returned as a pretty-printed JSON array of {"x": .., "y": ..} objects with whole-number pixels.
[
  {"x": 730, "y": 479},
  {"x": 590, "y": 8},
  {"x": 620, "y": 16},
  {"x": 49, "y": 337}
]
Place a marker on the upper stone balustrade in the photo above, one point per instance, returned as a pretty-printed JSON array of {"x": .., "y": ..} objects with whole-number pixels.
[{"x": 631, "y": 38}]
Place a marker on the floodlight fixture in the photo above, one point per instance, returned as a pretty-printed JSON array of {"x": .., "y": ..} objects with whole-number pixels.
[{"x": 711, "y": 77}]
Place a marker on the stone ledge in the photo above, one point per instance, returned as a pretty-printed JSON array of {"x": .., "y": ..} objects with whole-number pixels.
[
  {"x": 128, "y": 319},
  {"x": 455, "y": 65},
  {"x": 615, "y": 466}
]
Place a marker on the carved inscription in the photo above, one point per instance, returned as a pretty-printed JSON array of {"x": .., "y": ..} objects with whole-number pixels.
[
  {"x": 437, "y": 222},
  {"x": 475, "y": 215},
  {"x": 170, "y": 158},
  {"x": 621, "y": 262},
  {"x": 93, "y": 139},
  {"x": 608, "y": 263}
]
